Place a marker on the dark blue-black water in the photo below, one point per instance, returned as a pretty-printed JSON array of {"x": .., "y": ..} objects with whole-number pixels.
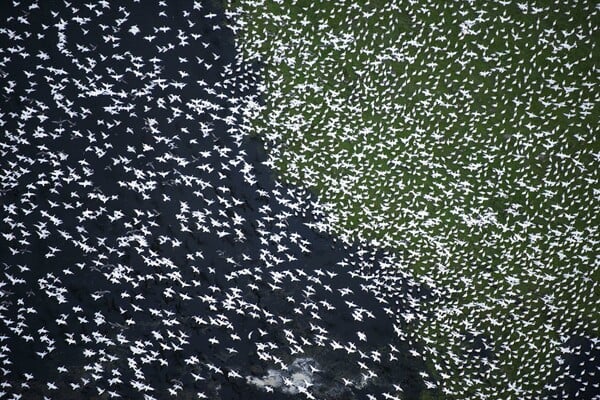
[{"x": 141, "y": 227}]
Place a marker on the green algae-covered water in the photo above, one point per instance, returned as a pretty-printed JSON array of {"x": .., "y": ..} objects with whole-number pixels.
[{"x": 462, "y": 136}]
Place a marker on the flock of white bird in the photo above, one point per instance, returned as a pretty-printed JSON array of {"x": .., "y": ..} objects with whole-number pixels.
[
  {"x": 457, "y": 139},
  {"x": 145, "y": 251},
  {"x": 464, "y": 136}
]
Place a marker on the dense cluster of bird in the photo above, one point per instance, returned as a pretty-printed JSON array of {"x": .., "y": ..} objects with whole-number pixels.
[
  {"x": 464, "y": 136},
  {"x": 146, "y": 250}
]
